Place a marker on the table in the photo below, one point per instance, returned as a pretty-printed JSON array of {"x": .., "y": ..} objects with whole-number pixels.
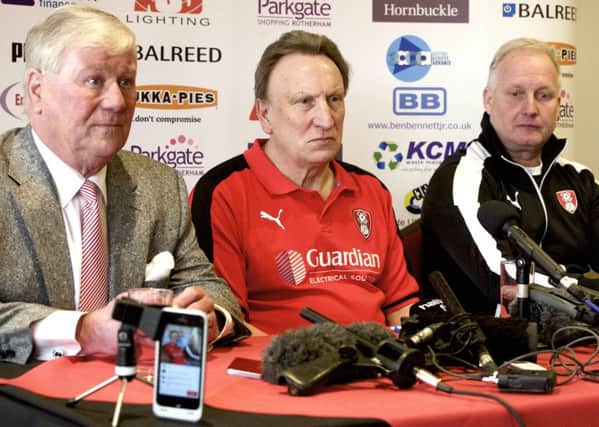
[{"x": 232, "y": 400}]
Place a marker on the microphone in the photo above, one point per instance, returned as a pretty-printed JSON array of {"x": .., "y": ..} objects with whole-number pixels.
[
  {"x": 500, "y": 218},
  {"x": 431, "y": 326},
  {"x": 400, "y": 362},
  {"x": 440, "y": 285}
]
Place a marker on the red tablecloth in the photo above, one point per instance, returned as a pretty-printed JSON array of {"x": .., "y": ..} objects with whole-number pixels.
[{"x": 575, "y": 404}]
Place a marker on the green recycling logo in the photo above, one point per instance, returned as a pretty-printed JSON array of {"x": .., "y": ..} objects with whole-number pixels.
[{"x": 387, "y": 156}]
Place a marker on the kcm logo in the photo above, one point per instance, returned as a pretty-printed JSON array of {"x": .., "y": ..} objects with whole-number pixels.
[
  {"x": 169, "y": 6},
  {"x": 409, "y": 58},
  {"x": 175, "y": 97}
]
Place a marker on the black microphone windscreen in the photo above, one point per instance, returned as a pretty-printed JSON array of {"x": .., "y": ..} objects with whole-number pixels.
[
  {"x": 298, "y": 346},
  {"x": 372, "y": 332},
  {"x": 494, "y": 214}
]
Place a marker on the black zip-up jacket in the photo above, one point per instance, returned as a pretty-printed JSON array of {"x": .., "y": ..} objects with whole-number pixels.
[{"x": 559, "y": 209}]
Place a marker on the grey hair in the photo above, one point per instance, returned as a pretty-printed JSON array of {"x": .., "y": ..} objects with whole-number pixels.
[
  {"x": 75, "y": 25},
  {"x": 297, "y": 41},
  {"x": 518, "y": 44}
]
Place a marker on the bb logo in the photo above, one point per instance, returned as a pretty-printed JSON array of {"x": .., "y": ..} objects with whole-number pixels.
[
  {"x": 169, "y": 6},
  {"x": 419, "y": 101},
  {"x": 508, "y": 10}
]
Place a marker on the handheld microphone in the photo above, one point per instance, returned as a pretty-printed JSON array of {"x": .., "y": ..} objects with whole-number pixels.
[
  {"x": 500, "y": 218},
  {"x": 440, "y": 285}
]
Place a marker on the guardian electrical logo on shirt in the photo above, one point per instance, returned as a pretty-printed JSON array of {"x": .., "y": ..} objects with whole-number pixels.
[
  {"x": 12, "y": 101},
  {"x": 294, "y": 13},
  {"x": 180, "y": 152},
  {"x": 184, "y": 13},
  {"x": 320, "y": 267},
  {"x": 530, "y": 10}
]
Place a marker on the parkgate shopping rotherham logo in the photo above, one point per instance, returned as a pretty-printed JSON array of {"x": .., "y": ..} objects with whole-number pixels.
[
  {"x": 169, "y": 6},
  {"x": 409, "y": 58},
  {"x": 180, "y": 152},
  {"x": 296, "y": 13},
  {"x": 565, "y": 118}
]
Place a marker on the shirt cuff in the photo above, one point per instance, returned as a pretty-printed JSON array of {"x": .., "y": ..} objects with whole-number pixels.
[
  {"x": 55, "y": 335},
  {"x": 225, "y": 322}
]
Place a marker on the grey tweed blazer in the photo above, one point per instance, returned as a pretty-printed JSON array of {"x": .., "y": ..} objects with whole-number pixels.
[{"x": 147, "y": 213}]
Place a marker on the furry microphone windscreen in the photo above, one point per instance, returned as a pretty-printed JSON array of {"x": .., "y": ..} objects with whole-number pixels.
[{"x": 298, "y": 346}]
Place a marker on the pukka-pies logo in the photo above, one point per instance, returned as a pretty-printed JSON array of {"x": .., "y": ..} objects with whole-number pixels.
[
  {"x": 363, "y": 221},
  {"x": 568, "y": 200}
]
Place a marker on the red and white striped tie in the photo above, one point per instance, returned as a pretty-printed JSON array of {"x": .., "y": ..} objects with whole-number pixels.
[{"x": 93, "y": 291}]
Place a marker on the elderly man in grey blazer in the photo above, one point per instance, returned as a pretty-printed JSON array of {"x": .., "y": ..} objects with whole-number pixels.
[{"x": 80, "y": 87}]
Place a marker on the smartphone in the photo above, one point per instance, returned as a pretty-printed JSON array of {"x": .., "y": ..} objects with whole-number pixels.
[
  {"x": 244, "y": 367},
  {"x": 180, "y": 364}
]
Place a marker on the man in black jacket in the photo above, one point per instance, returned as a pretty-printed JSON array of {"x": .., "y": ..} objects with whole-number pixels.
[{"x": 516, "y": 159}]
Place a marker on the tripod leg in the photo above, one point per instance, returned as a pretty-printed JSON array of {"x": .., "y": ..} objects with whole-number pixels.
[
  {"x": 119, "y": 403},
  {"x": 72, "y": 402}
]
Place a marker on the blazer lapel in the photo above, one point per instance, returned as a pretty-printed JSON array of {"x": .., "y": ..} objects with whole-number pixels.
[
  {"x": 123, "y": 213},
  {"x": 36, "y": 200}
]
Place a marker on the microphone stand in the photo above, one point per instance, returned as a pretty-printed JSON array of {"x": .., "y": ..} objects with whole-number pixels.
[
  {"x": 522, "y": 282},
  {"x": 125, "y": 370}
]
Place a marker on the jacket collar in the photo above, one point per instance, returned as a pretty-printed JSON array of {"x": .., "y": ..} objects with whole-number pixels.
[{"x": 489, "y": 139}]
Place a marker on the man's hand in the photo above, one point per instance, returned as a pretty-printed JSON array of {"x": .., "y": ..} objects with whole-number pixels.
[
  {"x": 194, "y": 297},
  {"x": 97, "y": 331}
]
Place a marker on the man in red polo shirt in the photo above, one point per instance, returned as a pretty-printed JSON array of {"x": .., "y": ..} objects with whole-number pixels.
[{"x": 286, "y": 224}]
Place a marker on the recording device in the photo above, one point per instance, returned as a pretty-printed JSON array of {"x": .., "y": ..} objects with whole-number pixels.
[
  {"x": 441, "y": 287},
  {"x": 500, "y": 218},
  {"x": 327, "y": 352},
  {"x": 180, "y": 364},
  {"x": 431, "y": 326}
]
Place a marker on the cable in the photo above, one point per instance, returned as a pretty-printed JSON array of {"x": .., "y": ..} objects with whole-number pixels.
[{"x": 498, "y": 399}]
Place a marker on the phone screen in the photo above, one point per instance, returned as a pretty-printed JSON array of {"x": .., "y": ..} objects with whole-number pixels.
[{"x": 179, "y": 374}]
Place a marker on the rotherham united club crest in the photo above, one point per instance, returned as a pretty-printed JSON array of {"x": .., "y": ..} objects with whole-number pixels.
[
  {"x": 567, "y": 198},
  {"x": 363, "y": 221}
]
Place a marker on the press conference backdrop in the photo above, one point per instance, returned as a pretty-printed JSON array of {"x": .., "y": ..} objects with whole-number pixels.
[{"x": 418, "y": 68}]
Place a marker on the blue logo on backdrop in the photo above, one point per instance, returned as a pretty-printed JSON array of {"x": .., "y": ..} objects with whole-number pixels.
[
  {"x": 419, "y": 101},
  {"x": 409, "y": 58},
  {"x": 508, "y": 10}
]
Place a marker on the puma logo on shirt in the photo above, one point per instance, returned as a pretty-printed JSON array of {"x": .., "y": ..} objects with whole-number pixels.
[{"x": 276, "y": 219}]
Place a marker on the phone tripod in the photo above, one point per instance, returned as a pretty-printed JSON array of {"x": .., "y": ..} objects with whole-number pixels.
[{"x": 125, "y": 370}]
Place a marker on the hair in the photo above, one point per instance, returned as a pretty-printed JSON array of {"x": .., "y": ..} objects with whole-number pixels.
[
  {"x": 297, "y": 41},
  {"x": 519, "y": 44},
  {"x": 75, "y": 25}
]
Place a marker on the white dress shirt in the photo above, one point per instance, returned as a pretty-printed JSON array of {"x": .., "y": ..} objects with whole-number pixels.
[{"x": 54, "y": 336}]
